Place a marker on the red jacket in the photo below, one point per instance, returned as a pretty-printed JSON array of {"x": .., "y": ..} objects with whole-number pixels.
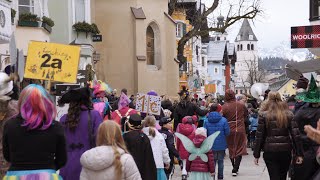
[
  {"x": 188, "y": 130},
  {"x": 198, "y": 165},
  {"x": 126, "y": 111}
]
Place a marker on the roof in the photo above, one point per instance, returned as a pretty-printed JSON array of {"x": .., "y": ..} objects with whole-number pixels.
[
  {"x": 295, "y": 69},
  {"x": 216, "y": 50},
  {"x": 230, "y": 48},
  {"x": 245, "y": 31}
]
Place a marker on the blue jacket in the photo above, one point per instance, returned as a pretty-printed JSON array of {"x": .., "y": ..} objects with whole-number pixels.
[
  {"x": 253, "y": 123},
  {"x": 218, "y": 123}
]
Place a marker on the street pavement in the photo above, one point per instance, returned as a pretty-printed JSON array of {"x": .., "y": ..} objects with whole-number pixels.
[{"x": 248, "y": 170}]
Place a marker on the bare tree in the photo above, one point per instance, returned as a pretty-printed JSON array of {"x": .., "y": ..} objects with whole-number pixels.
[
  {"x": 236, "y": 12},
  {"x": 255, "y": 74}
]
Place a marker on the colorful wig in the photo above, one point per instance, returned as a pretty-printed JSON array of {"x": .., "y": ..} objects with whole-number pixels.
[
  {"x": 100, "y": 88},
  {"x": 36, "y": 107}
]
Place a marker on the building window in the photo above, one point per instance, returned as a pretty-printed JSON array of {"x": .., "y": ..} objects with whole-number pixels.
[
  {"x": 250, "y": 37},
  {"x": 224, "y": 72},
  {"x": 238, "y": 47},
  {"x": 248, "y": 46},
  {"x": 197, "y": 50},
  {"x": 236, "y": 91},
  {"x": 232, "y": 71},
  {"x": 241, "y": 91},
  {"x": 216, "y": 71},
  {"x": 218, "y": 38},
  {"x": 252, "y": 47},
  {"x": 203, "y": 63},
  {"x": 241, "y": 47},
  {"x": 150, "y": 46},
  {"x": 26, "y": 6},
  {"x": 225, "y": 38},
  {"x": 314, "y": 10},
  {"x": 80, "y": 14},
  {"x": 223, "y": 88},
  {"x": 180, "y": 30}
]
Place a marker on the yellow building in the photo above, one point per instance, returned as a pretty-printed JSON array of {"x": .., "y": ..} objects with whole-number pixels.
[
  {"x": 288, "y": 89},
  {"x": 183, "y": 26}
]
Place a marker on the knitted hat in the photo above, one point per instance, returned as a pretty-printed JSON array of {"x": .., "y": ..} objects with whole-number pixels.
[
  {"x": 201, "y": 131},
  {"x": 302, "y": 83}
]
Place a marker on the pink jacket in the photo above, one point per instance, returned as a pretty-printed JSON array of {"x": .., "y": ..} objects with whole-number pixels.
[
  {"x": 188, "y": 130},
  {"x": 198, "y": 165}
]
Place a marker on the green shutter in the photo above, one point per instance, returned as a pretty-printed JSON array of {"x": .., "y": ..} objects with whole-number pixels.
[{"x": 184, "y": 29}]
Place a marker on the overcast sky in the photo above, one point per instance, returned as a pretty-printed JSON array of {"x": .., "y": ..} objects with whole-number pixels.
[{"x": 273, "y": 27}]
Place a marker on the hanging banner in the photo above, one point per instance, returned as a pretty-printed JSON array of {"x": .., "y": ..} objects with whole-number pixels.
[
  {"x": 305, "y": 37},
  {"x": 54, "y": 62},
  {"x": 148, "y": 104}
]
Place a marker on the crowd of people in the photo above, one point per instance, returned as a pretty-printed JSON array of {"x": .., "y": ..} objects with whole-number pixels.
[{"x": 103, "y": 136}]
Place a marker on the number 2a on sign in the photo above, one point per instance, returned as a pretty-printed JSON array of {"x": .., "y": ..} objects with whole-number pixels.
[{"x": 142, "y": 102}]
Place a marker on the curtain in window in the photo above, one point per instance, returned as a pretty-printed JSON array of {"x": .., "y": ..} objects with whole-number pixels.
[
  {"x": 79, "y": 10},
  {"x": 150, "y": 46},
  {"x": 26, "y": 6}
]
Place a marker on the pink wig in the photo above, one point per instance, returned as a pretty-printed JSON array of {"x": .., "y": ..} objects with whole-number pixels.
[{"x": 36, "y": 107}]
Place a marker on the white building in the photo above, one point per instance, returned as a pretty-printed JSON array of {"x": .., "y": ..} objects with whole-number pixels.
[{"x": 247, "y": 57}]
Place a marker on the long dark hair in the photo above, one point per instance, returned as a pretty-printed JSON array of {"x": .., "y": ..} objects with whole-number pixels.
[{"x": 73, "y": 116}]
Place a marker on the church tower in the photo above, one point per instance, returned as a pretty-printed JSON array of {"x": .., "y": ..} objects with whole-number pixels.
[{"x": 247, "y": 57}]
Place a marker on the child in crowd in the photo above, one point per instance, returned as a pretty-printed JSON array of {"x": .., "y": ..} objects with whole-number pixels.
[
  {"x": 166, "y": 127},
  {"x": 139, "y": 147},
  {"x": 200, "y": 169},
  {"x": 202, "y": 119},
  {"x": 218, "y": 123},
  {"x": 253, "y": 127},
  {"x": 187, "y": 128},
  {"x": 158, "y": 145}
]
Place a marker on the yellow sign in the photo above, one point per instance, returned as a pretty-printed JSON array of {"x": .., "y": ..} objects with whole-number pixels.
[{"x": 54, "y": 62}]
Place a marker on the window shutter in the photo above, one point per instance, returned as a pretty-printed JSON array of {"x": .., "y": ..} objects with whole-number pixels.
[{"x": 184, "y": 29}]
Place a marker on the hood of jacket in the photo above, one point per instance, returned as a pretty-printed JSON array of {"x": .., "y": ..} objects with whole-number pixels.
[
  {"x": 99, "y": 158},
  {"x": 198, "y": 139},
  {"x": 186, "y": 129},
  {"x": 214, "y": 117}
]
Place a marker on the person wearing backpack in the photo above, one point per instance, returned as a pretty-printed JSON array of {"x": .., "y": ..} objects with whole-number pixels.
[{"x": 123, "y": 109}]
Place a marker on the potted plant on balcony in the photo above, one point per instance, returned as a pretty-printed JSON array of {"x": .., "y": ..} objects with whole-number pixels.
[
  {"x": 82, "y": 27},
  {"x": 47, "y": 23},
  {"x": 29, "y": 20}
]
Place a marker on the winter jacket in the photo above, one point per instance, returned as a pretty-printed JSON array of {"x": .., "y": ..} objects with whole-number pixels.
[
  {"x": 169, "y": 138},
  {"x": 118, "y": 114},
  {"x": 187, "y": 130},
  {"x": 139, "y": 146},
  {"x": 271, "y": 138},
  {"x": 253, "y": 123},
  {"x": 307, "y": 115},
  {"x": 198, "y": 165},
  {"x": 218, "y": 123},
  {"x": 159, "y": 148},
  {"x": 186, "y": 108},
  {"x": 97, "y": 163}
]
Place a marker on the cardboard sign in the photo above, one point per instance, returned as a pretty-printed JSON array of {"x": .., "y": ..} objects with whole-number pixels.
[
  {"x": 50, "y": 61},
  {"x": 148, "y": 104},
  {"x": 63, "y": 88}
]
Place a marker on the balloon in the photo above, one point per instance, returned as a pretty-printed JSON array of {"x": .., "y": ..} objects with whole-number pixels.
[{"x": 257, "y": 90}]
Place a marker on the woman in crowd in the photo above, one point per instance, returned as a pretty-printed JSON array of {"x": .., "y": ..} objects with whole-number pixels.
[
  {"x": 110, "y": 159},
  {"x": 158, "y": 145},
  {"x": 123, "y": 109},
  {"x": 33, "y": 142},
  {"x": 236, "y": 113},
  {"x": 275, "y": 127},
  {"x": 80, "y": 125}
]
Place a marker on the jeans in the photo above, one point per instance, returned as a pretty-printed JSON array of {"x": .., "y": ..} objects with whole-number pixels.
[
  {"x": 219, "y": 158},
  {"x": 277, "y": 164}
]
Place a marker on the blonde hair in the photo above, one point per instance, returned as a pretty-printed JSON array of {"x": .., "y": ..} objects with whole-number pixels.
[
  {"x": 275, "y": 108},
  {"x": 150, "y": 121},
  {"x": 109, "y": 134}
]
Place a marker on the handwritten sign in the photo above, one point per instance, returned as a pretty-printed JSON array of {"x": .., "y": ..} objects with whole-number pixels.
[
  {"x": 50, "y": 61},
  {"x": 148, "y": 104}
]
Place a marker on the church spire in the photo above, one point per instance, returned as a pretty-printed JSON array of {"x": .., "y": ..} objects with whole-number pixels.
[{"x": 246, "y": 33}]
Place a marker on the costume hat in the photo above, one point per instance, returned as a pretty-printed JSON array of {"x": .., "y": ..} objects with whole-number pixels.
[
  {"x": 75, "y": 95},
  {"x": 313, "y": 93}
]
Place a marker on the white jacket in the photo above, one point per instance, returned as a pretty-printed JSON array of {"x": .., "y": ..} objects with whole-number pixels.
[
  {"x": 97, "y": 164},
  {"x": 159, "y": 148}
]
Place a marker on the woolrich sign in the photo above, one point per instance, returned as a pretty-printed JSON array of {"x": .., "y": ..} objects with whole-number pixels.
[{"x": 305, "y": 37}]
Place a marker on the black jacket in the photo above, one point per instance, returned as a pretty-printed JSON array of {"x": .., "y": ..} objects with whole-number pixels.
[
  {"x": 186, "y": 109},
  {"x": 271, "y": 138},
  {"x": 139, "y": 146},
  {"x": 169, "y": 138},
  {"x": 34, "y": 149},
  {"x": 308, "y": 115}
]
